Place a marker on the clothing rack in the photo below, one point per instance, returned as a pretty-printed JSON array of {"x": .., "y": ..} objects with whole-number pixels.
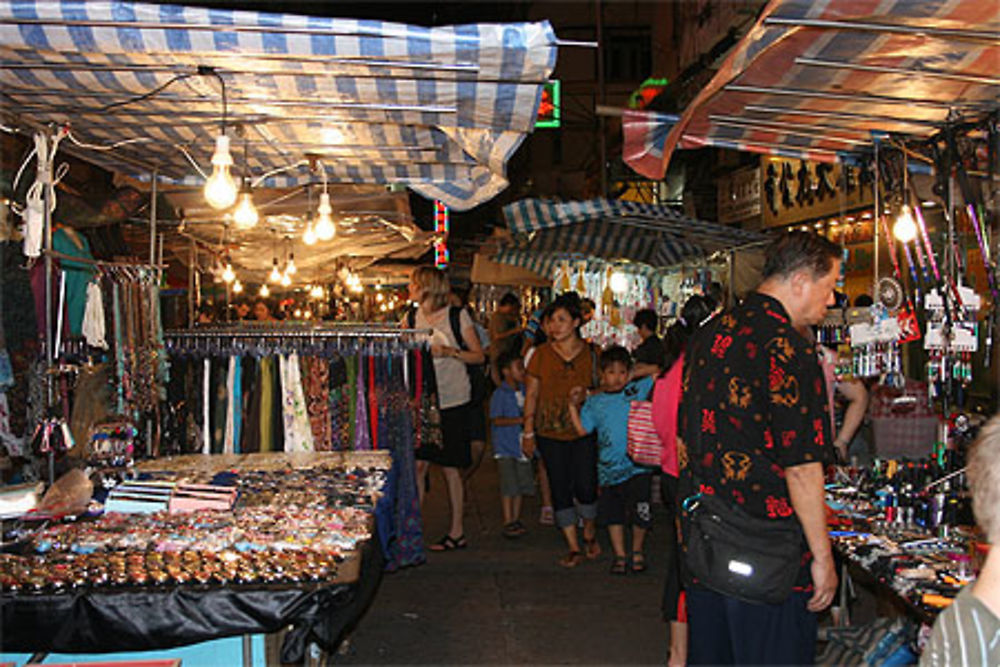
[
  {"x": 324, "y": 331},
  {"x": 103, "y": 263},
  {"x": 265, "y": 339}
]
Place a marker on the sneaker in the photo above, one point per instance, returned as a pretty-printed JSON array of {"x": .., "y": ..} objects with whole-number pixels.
[{"x": 547, "y": 517}]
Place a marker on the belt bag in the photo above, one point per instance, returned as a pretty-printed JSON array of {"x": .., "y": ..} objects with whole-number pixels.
[{"x": 739, "y": 555}]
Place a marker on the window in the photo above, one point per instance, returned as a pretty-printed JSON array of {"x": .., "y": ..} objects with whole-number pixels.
[{"x": 628, "y": 54}]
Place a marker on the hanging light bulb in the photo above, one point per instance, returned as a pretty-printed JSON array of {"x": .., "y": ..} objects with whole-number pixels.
[
  {"x": 245, "y": 214},
  {"x": 220, "y": 188},
  {"x": 275, "y": 275},
  {"x": 309, "y": 236},
  {"x": 325, "y": 229},
  {"x": 228, "y": 275},
  {"x": 290, "y": 268},
  {"x": 264, "y": 291},
  {"x": 237, "y": 287},
  {"x": 286, "y": 280},
  {"x": 619, "y": 282},
  {"x": 905, "y": 229}
]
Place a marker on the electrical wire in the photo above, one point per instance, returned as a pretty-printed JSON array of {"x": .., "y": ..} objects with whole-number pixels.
[
  {"x": 110, "y": 147},
  {"x": 152, "y": 93},
  {"x": 191, "y": 160},
  {"x": 260, "y": 179}
]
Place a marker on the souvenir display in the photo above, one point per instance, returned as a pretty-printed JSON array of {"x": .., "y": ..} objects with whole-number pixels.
[
  {"x": 295, "y": 520},
  {"x": 906, "y": 523}
]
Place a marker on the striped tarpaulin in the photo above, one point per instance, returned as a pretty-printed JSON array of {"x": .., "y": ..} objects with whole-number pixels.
[
  {"x": 816, "y": 80},
  {"x": 545, "y": 232},
  {"x": 438, "y": 109}
]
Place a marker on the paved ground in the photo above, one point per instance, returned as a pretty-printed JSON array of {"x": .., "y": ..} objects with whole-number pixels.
[{"x": 505, "y": 601}]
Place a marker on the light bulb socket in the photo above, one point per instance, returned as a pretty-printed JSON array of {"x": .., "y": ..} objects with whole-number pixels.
[{"x": 222, "y": 157}]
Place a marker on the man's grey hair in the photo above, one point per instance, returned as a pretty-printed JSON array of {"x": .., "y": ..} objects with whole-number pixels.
[{"x": 984, "y": 478}]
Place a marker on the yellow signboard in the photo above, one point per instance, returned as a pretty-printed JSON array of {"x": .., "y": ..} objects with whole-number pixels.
[{"x": 794, "y": 190}]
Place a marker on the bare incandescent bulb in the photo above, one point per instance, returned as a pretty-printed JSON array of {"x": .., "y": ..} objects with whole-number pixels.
[
  {"x": 245, "y": 214},
  {"x": 905, "y": 229},
  {"x": 220, "y": 188},
  {"x": 325, "y": 229}
]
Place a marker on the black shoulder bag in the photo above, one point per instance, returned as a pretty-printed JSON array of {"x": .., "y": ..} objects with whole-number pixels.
[
  {"x": 736, "y": 554},
  {"x": 476, "y": 372}
]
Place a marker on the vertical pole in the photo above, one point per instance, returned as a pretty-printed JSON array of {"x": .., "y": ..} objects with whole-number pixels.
[
  {"x": 191, "y": 286},
  {"x": 731, "y": 257},
  {"x": 877, "y": 218},
  {"x": 601, "y": 95},
  {"x": 152, "y": 218},
  {"x": 46, "y": 179}
]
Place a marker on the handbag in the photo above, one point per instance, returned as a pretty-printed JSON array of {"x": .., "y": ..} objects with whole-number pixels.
[
  {"x": 476, "y": 372},
  {"x": 644, "y": 446},
  {"x": 740, "y": 555}
]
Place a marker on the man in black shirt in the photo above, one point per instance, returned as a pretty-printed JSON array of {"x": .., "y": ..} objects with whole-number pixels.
[
  {"x": 648, "y": 355},
  {"x": 756, "y": 432}
]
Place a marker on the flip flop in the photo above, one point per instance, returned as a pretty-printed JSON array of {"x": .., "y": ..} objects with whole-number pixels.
[
  {"x": 449, "y": 543},
  {"x": 638, "y": 562},
  {"x": 619, "y": 566},
  {"x": 572, "y": 559},
  {"x": 591, "y": 548}
]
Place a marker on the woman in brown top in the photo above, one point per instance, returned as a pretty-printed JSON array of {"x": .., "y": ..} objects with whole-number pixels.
[{"x": 564, "y": 362}]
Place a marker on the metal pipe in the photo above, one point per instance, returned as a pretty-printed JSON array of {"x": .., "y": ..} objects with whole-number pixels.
[
  {"x": 785, "y": 128},
  {"x": 331, "y": 31},
  {"x": 852, "y": 97},
  {"x": 780, "y": 124},
  {"x": 182, "y": 100},
  {"x": 191, "y": 280},
  {"x": 878, "y": 216},
  {"x": 940, "y": 33},
  {"x": 46, "y": 179},
  {"x": 968, "y": 78},
  {"x": 839, "y": 115}
]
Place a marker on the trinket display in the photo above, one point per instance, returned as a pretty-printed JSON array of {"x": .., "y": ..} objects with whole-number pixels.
[{"x": 289, "y": 525}]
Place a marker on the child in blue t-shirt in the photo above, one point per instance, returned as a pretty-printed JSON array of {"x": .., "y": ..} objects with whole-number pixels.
[
  {"x": 506, "y": 420},
  {"x": 626, "y": 487}
]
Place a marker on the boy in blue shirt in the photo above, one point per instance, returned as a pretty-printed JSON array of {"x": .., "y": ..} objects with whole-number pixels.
[
  {"x": 507, "y": 419},
  {"x": 626, "y": 486}
]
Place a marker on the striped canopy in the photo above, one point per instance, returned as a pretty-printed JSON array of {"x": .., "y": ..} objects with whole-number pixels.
[
  {"x": 546, "y": 233},
  {"x": 816, "y": 80},
  {"x": 438, "y": 109}
]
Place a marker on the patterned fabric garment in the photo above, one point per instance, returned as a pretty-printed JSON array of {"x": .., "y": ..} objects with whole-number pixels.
[
  {"x": 337, "y": 375},
  {"x": 362, "y": 437},
  {"x": 754, "y": 403},
  {"x": 298, "y": 432},
  {"x": 316, "y": 382},
  {"x": 399, "y": 510}
]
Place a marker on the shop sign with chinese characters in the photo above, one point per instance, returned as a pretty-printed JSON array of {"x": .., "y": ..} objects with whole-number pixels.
[{"x": 793, "y": 190}]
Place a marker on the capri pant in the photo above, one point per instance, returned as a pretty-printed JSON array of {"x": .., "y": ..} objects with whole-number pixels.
[{"x": 572, "y": 468}]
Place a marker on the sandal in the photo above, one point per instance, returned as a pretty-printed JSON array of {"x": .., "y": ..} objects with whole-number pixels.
[
  {"x": 638, "y": 562},
  {"x": 514, "y": 529},
  {"x": 619, "y": 566},
  {"x": 591, "y": 548},
  {"x": 572, "y": 559},
  {"x": 449, "y": 543}
]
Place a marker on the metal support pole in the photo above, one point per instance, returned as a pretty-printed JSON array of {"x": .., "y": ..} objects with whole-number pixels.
[
  {"x": 191, "y": 280},
  {"x": 877, "y": 217},
  {"x": 731, "y": 261}
]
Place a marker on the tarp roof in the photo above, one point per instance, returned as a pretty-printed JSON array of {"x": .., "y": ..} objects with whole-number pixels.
[
  {"x": 546, "y": 233},
  {"x": 372, "y": 225},
  {"x": 816, "y": 79},
  {"x": 439, "y": 109}
]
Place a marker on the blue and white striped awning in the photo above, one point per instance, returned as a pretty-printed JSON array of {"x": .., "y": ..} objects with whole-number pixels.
[
  {"x": 438, "y": 109},
  {"x": 546, "y": 232}
]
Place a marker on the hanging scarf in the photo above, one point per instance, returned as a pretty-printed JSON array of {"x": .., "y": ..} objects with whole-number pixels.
[{"x": 362, "y": 439}]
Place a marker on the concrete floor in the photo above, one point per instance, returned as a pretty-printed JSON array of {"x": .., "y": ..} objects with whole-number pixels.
[{"x": 504, "y": 601}]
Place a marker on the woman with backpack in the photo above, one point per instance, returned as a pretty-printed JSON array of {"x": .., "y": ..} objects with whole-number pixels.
[{"x": 429, "y": 288}]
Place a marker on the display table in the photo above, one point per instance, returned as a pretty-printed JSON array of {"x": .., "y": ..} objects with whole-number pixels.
[{"x": 105, "y": 618}]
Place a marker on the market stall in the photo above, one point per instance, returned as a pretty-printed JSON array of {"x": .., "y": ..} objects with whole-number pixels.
[
  {"x": 201, "y": 547},
  {"x": 269, "y": 144},
  {"x": 623, "y": 255},
  {"x": 887, "y": 115}
]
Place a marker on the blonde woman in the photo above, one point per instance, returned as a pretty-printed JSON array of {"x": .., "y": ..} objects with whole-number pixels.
[{"x": 429, "y": 288}]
